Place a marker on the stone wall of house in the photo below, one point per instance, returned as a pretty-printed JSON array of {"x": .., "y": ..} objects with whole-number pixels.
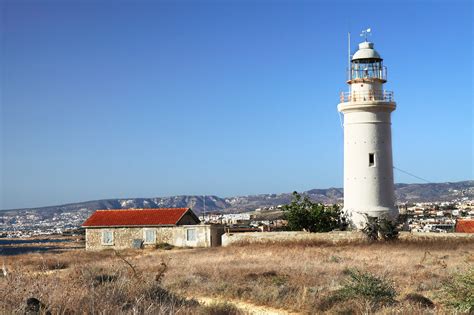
[
  {"x": 122, "y": 237},
  {"x": 335, "y": 237},
  {"x": 205, "y": 236}
]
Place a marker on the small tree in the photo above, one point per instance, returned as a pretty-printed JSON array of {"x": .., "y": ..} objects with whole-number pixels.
[{"x": 303, "y": 214}]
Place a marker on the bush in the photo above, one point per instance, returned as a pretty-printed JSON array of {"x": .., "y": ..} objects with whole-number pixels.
[
  {"x": 418, "y": 299},
  {"x": 164, "y": 246},
  {"x": 368, "y": 286},
  {"x": 220, "y": 309},
  {"x": 54, "y": 264},
  {"x": 459, "y": 291},
  {"x": 363, "y": 286},
  {"x": 303, "y": 214},
  {"x": 377, "y": 228},
  {"x": 388, "y": 229},
  {"x": 371, "y": 229}
]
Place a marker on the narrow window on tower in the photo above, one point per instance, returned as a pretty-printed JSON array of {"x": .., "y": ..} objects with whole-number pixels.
[{"x": 371, "y": 159}]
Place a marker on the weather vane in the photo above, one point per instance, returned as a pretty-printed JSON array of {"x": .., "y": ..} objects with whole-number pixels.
[{"x": 366, "y": 33}]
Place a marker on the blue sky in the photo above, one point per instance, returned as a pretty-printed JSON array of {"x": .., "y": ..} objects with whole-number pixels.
[{"x": 105, "y": 99}]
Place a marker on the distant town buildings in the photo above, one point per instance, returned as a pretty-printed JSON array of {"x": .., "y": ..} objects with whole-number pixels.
[
  {"x": 420, "y": 216},
  {"x": 436, "y": 216},
  {"x": 27, "y": 223}
]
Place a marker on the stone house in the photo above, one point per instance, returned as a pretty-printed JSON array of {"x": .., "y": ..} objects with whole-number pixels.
[{"x": 128, "y": 228}]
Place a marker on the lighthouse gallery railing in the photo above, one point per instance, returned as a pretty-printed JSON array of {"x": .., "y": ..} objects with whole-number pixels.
[{"x": 360, "y": 96}]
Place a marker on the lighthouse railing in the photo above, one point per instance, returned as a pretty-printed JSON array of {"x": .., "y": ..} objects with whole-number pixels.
[{"x": 362, "y": 96}]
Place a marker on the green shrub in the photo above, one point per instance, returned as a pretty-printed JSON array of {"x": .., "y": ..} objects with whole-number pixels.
[
  {"x": 335, "y": 259},
  {"x": 388, "y": 229},
  {"x": 368, "y": 286},
  {"x": 459, "y": 291},
  {"x": 360, "y": 286},
  {"x": 376, "y": 228},
  {"x": 303, "y": 214},
  {"x": 371, "y": 229}
]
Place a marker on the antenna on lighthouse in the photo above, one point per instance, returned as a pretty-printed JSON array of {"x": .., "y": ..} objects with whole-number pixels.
[
  {"x": 349, "y": 52},
  {"x": 366, "y": 33}
]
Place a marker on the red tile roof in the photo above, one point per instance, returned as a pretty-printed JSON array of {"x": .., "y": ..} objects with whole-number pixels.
[
  {"x": 136, "y": 217},
  {"x": 465, "y": 226}
]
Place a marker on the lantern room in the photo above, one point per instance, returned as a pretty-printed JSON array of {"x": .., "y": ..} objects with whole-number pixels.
[{"x": 367, "y": 65}]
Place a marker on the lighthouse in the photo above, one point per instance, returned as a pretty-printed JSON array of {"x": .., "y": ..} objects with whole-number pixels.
[{"x": 368, "y": 165}]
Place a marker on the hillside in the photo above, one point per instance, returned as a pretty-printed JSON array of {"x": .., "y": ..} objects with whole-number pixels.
[{"x": 404, "y": 193}]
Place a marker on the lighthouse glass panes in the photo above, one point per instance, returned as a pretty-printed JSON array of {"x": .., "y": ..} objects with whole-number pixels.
[
  {"x": 368, "y": 166},
  {"x": 364, "y": 69}
]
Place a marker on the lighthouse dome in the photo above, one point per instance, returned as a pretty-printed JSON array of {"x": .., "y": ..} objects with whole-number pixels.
[{"x": 366, "y": 51}]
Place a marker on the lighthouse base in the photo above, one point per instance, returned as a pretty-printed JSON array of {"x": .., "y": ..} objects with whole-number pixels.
[{"x": 358, "y": 218}]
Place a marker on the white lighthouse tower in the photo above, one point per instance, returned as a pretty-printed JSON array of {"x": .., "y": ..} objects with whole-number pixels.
[{"x": 368, "y": 165}]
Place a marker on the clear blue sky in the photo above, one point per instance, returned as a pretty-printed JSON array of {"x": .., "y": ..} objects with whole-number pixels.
[{"x": 105, "y": 99}]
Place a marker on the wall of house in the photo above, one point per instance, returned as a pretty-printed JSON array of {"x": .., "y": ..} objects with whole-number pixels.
[
  {"x": 216, "y": 235},
  {"x": 205, "y": 236},
  {"x": 123, "y": 237}
]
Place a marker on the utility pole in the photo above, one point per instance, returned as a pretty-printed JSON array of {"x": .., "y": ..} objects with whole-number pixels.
[{"x": 204, "y": 210}]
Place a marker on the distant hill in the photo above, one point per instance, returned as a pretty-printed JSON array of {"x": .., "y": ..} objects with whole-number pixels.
[
  {"x": 434, "y": 192},
  {"x": 404, "y": 193}
]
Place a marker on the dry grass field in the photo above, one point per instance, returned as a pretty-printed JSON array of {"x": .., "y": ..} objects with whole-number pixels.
[{"x": 408, "y": 277}]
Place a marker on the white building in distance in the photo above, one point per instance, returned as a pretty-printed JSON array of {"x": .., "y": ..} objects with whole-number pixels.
[{"x": 368, "y": 167}]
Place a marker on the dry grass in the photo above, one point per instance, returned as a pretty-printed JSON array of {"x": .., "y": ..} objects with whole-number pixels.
[
  {"x": 300, "y": 276},
  {"x": 89, "y": 283},
  {"x": 297, "y": 277}
]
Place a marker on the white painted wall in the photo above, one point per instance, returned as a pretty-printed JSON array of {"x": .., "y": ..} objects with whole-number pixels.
[{"x": 368, "y": 189}]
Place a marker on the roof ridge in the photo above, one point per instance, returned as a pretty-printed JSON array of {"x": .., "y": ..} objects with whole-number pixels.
[{"x": 140, "y": 209}]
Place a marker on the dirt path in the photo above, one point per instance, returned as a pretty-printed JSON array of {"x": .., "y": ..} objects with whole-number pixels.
[{"x": 246, "y": 307}]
